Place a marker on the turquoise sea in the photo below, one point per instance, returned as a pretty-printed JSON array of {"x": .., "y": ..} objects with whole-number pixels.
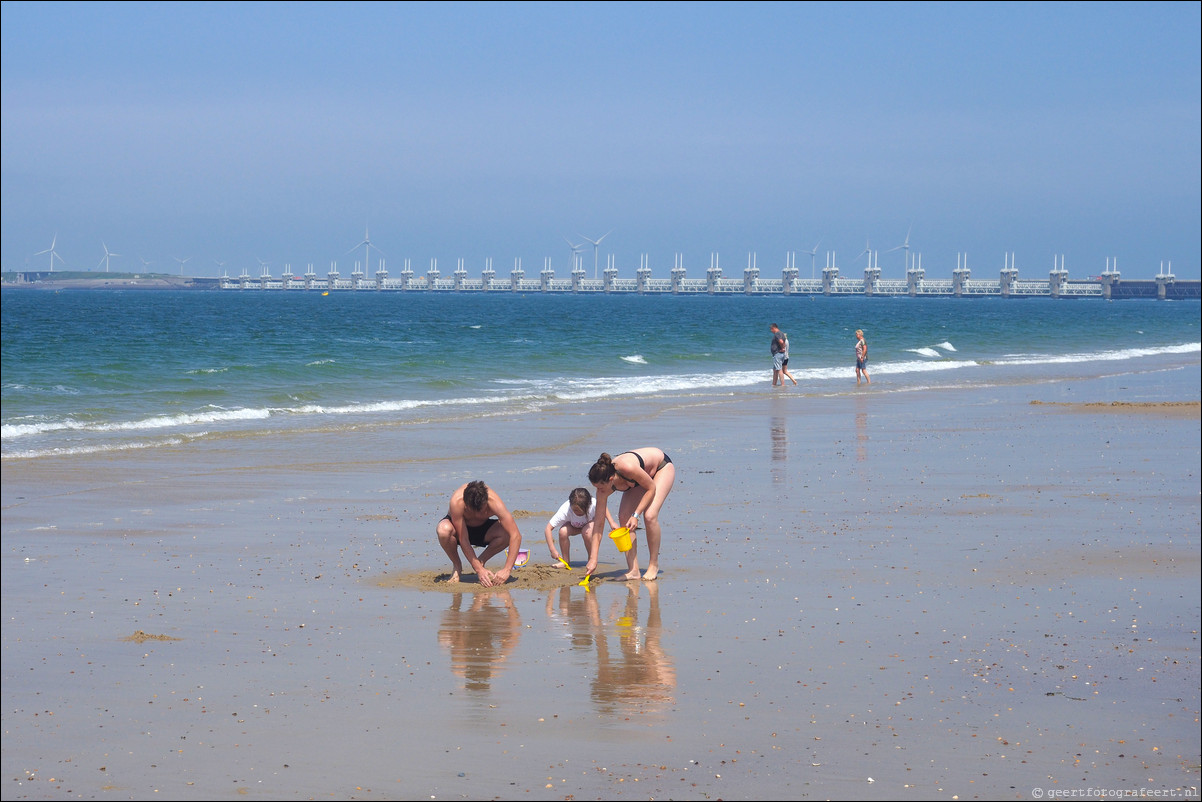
[{"x": 93, "y": 371}]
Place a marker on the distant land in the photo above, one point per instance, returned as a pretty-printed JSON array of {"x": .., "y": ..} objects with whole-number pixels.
[{"x": 90, "y": 280}]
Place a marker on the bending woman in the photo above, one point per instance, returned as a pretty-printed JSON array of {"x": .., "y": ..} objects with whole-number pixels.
[{"x": 644, "y": 477}]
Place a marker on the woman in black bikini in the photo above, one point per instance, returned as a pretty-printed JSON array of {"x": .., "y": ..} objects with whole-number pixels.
[{"x": 644, "y": 477}]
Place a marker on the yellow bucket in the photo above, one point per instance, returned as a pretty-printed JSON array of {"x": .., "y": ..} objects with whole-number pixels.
[{"x": 621, "y": 538}]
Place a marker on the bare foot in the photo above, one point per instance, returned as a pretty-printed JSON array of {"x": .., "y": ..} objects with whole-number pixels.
[
  {"x": 630, "y": 576},
  {"x": 651, "y": 574},
  {"x": 454, "y": 576}
]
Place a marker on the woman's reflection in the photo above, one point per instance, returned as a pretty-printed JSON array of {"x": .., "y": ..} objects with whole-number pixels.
[
  {"x": 639, "y": 675},
  {"x": 480, "y": 638}
]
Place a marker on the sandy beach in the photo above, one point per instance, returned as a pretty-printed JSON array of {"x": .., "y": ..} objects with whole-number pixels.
[{"x": 986, "y": 593}]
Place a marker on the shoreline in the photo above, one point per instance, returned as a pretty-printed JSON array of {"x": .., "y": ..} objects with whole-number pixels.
[
  {"x": 200, "y": 434},
  {"x": 969, "y": 593}
]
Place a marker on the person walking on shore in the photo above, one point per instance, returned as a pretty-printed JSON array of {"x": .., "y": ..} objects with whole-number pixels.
[
  {"x": 784, "y": 363},
  {"x": 477, "y": 518},
  {"x": 644, "y": 477},
  {"x": 861, "y": 358},
  {"x": 777, "y": 348}
]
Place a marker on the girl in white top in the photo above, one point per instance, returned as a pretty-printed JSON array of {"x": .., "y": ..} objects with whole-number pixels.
[{"x": 575, "y": 517}]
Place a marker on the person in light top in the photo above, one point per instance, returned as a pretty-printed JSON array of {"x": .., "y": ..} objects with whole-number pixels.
[
  {"x": 861, "y": 358},
  {"x": 576, "y": 517}
]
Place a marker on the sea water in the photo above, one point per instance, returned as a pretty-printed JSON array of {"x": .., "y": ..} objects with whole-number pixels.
[{"x": 102, "y": 370}]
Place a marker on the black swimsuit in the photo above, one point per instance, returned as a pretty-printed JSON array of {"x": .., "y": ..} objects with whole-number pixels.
[
  {"x": 643, "y": 465},
  {"x": 475, "y": 534}
]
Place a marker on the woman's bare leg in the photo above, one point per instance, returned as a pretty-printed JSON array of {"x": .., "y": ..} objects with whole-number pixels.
[
  {"x": 630, "y": 501},
  {"x": 664, "y": 478}
]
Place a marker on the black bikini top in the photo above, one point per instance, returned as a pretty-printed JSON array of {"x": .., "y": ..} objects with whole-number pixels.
[
  {"x": 642, "y": 465},
  {"x": 636, "y": 456}
]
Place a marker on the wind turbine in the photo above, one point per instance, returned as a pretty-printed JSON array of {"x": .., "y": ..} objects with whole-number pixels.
[
  {"x": 182, "y": 262},
  {"x": 220, "y": 264},
  {"x": 107, "y": 255},
  {"x": 867, "y": 250},
  {"x": 814, "y": 257},
  {"x": 576, "y": 249},
  {"x": 145, "y": 262},
  {"x": 53, "y": 253},
  {"x": 905, "y": 246},
  {"x": 366, "y": 250},
  {"x": 596, "y": 243}
]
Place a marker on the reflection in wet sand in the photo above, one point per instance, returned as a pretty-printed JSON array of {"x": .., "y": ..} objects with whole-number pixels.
[
  {"x": 638, "y": 677},
  {"x": 480, "y": 638},
  {"x": 578, "y": 617},
  {"x": 861, "y": 428},
  {"x": 780, "y": 449}
]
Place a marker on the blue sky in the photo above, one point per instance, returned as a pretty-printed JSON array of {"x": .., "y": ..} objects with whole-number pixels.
[{"x": 280, "y": 132}]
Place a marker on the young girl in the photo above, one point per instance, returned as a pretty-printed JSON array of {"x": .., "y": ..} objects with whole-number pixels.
[{"x": 575, "y": 517}]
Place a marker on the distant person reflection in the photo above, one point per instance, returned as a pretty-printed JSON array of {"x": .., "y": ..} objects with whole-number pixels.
[
  {"x": 861, "y": 429},
  {"x": 480, "y": 638},
  {"x": 780, "y": 448},
  {"x": 638, "y": 676}
]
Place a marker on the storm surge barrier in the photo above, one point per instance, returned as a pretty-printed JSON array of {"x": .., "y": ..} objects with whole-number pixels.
[{"x": 1108, "y": 285}]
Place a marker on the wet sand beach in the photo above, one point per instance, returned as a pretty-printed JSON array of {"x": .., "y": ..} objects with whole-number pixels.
[{"x": 983, "y": 593}]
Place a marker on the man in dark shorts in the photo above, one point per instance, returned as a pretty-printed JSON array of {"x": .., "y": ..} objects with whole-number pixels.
[{"x": 477, "y": 518}]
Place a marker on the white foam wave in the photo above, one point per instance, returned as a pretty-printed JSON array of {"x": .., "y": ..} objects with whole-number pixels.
[
  {"x": 931, "y": 352},
  {"x": 9, "y": 431},
  {"x": 636, "y": 359},
  {"x": 98, "y": 448},
  {"x": 188, "y": 419},
  {"x": 57, "y": 389},
  {"x": 13, "y": 431},
  {"x": 1096, "y": 356},
  {"x": 651, "y": 385},
  {"x": 400, "y": 405}
]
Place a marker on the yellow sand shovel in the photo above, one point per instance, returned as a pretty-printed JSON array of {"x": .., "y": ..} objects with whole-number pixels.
[{"x": 565, "y": 563}]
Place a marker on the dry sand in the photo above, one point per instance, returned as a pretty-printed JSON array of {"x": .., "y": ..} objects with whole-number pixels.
[{"x": 877, "y": 595}]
